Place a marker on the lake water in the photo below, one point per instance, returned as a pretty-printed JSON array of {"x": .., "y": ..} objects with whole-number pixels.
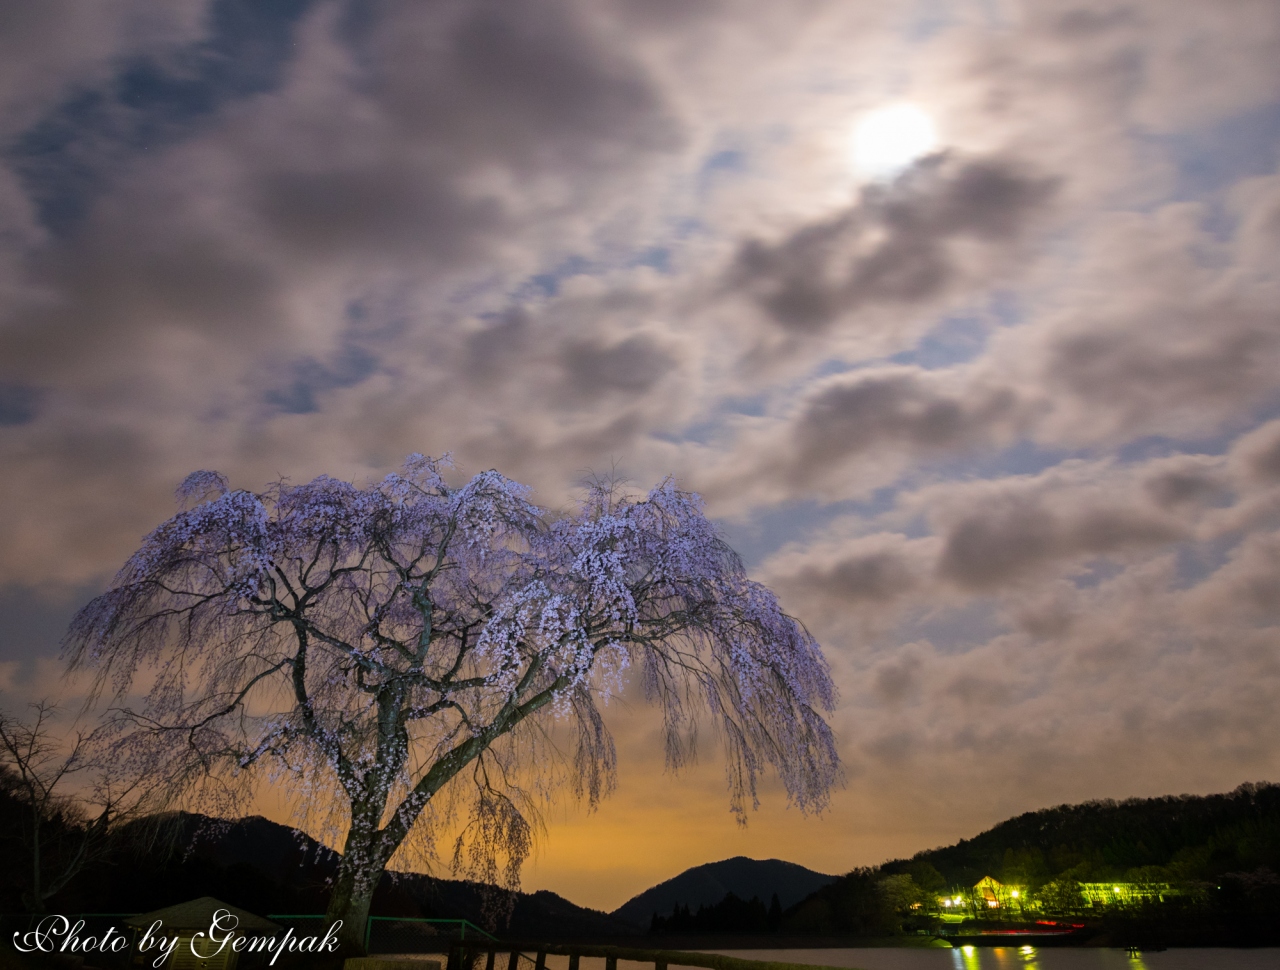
[
  {"x": 1022, "y": 958},
  {"x": 984, "y": 958}
]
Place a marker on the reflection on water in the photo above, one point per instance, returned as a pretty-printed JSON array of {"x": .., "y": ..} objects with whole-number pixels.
[
  {"x": 986, "y": 958},
  {"x": 972, "y": 958},
  {"x": 1017, "y": 958}
]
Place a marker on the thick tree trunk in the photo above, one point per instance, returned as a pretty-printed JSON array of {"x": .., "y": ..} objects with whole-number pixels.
[
  {"x": 350, "y": 902},
  {"x": 35, "y": 903},
  {"x": 364, "y": 858}
]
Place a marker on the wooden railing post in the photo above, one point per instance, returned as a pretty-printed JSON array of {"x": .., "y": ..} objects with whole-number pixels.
[
  {"x": 661, "y": 959},
  {"x": 488, "y": 960}
]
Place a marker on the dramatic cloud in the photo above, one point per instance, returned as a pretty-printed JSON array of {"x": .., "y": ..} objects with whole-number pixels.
[
  {"x": 895, "y": 247},
  {"x": 1002, "y": 428}
]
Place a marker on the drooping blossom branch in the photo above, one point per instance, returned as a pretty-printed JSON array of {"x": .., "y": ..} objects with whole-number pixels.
[{"x": 375, "y": 642}]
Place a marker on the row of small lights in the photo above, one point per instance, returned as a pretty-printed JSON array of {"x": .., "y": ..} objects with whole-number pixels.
[{"x": 958, "y": 899}]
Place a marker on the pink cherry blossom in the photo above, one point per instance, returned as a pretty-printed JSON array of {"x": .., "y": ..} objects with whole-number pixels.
[{"x": 383, "y": 650}]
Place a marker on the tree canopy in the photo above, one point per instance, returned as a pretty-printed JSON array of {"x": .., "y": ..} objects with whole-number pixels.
[{"x": 381, "y": 643}]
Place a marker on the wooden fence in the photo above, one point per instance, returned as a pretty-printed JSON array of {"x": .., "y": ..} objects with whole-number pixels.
[{"x": 465, "y": 956}]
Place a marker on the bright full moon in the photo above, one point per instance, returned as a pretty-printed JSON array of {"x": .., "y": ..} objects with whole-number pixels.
[{"x": 888, "y": 140}]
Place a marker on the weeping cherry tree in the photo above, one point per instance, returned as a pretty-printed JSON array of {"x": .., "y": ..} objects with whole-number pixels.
[{"x": 412, "y": 655}]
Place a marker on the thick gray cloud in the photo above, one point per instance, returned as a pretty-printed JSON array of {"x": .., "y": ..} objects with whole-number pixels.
[
  {"x": 50, "y": 49},
  {"x": 403, "y": 161},
  {"x": 536, "y": 87},
  {"x": 1008, "y": 536},
  {"x": 1000, "y": 430},
  {"x": 247, "y": 270},
  {"x": 1259, "y": 454},
  {"x": 873, "y": 576},
  {"x": 862, "y": 580},
  {"x": 856, "y": 414},
  {"x": 575, "y": 365},
  {"x": 1103, "y": 641},
  {"x": 856, "y": 432},
  {"x": 1188, "y": 481},
  {"x": 631, "y": 366},
  {"x": 894, "y": 245}
]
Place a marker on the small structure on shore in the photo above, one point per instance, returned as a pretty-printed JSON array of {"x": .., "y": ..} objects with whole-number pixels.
[
  {"x": 996, "y": 894},
  {"x": 987, "y": 894},
  {"x": 184, "y": 921}
]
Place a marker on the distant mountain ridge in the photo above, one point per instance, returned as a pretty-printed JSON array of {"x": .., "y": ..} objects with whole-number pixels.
[
  {"x": 1192, "y": 836},
  {"x": 1220, "y": 853},
  {"x": 266, "y": 868},
  {"x": 708, "y": 884},
  {"x": 289, "y": 855}
]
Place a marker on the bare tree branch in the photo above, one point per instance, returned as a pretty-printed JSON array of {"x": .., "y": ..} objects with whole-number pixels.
[
  {"x": 373, "y": 644},
  {"x": 62, "y": 830}
]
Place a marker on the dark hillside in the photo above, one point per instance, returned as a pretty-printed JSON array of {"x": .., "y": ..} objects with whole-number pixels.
[
  {"x": 1184, "y": 870},
  {"x": 709, "y": 884},
  {"x": 268, "y": 868},
  {"x": 1190, "y": 836}
]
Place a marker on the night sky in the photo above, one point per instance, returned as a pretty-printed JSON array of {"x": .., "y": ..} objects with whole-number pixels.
[{"x": 964, "y": 317}]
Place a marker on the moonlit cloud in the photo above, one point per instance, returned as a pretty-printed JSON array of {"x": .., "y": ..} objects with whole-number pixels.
[
  {"x": 999, "y": 420},
  {"x": 889, "y": 139}
]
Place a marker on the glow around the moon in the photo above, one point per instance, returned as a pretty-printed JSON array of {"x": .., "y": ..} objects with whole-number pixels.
[{"x": 888, "y": 140}]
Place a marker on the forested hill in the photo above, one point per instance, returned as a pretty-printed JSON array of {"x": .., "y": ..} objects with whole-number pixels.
[
  {"x": 708, "y": 884},
  {"x": 267, "y": 868},
  {"x": 1172, "y": 838},
  {"x": 1196, "y": 870}
]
